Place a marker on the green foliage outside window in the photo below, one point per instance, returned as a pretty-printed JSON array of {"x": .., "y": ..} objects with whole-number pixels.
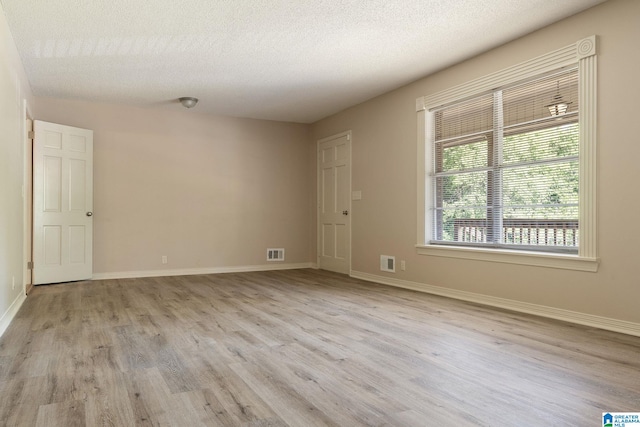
[{"x": 532, "y": 189}]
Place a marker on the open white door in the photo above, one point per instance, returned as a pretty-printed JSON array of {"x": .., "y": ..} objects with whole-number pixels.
[
  {"x": 62, "y": 203},
  {"x": 334, "y": 199}
]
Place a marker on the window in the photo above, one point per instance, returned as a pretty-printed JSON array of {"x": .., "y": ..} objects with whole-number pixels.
[
  {"x": 509, "y": 164},
  {"x": 506, "y": 167}
]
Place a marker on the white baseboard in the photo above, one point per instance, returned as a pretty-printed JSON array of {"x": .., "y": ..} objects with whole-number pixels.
[
  {"x": 11, "y": 312},
  {"x": 206, "y": 270},
  {"x": 606, "y": 323}
]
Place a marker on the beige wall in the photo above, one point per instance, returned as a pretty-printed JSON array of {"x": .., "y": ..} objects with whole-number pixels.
[
  {"x": 14, "y": 89},
  {"x": 384, "y": 168},
  {"x": 205, "y": 191}
]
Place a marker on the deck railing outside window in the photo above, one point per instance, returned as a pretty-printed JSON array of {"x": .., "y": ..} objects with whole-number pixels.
[{"x": 529, "y": 232}]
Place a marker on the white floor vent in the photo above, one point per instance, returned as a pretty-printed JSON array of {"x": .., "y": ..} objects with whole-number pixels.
[
  {"x": 275, "y": 254},
  {"x": 388, "y": 263}
]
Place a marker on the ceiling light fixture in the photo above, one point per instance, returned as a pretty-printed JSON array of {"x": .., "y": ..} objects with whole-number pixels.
[
  {"x": 558, "y": 107},
  {"x": 188, "y": 101}
]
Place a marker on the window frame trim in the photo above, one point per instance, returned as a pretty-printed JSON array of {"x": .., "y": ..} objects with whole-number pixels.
[{"x": 581, "y": 54}]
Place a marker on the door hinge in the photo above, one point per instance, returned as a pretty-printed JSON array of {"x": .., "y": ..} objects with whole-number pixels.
[
  {"x": 30, "y": 265},
  {"x": 31, "y": 134}
]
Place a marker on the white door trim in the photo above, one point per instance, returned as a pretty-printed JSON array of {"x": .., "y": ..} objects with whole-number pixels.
[
  {"x": 349, "y": 136},
  {"x": 27, "y": 194}
]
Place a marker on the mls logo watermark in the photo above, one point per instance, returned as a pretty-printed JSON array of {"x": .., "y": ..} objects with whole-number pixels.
[{"x": 620, "y": 419}]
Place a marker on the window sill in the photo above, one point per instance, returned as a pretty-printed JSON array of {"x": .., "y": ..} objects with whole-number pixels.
[{"x": 562, "y": 261}]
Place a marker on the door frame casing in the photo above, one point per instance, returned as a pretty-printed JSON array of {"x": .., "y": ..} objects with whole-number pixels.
[
  {"x": 27, "y": 198},
  {"x": 349, "y": 135}
]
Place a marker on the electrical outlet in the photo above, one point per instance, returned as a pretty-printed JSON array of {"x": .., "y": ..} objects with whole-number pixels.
[
  {"x": 403, "y": 265},
  {"x": 164, "y": 259}
]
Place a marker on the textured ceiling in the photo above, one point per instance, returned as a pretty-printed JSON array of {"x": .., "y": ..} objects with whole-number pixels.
[{"x": 290, "y": 60}]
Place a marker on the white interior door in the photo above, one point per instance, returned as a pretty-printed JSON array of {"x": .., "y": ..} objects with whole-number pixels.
[
  {"x": 334, "y": 203},
  {"x": 62, "y": 203}
]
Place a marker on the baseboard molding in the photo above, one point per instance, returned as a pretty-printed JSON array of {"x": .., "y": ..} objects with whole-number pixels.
[
  {"x": 11, "y": 312},
  {"x": 606, "y": 323},
  {"x": 206, "y": 270}
]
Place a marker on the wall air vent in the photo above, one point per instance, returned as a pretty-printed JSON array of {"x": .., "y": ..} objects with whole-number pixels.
[
  {"x": 388, "y": 263},
  {"x": 275, "y": 254}
]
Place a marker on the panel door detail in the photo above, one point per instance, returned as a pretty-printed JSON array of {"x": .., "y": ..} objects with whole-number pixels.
[
  {"x": 334, "y": 206},
  {"x": 62, "y": 203}
]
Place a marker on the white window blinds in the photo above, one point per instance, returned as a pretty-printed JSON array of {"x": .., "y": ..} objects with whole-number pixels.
[{"x": 506, "y": 167}]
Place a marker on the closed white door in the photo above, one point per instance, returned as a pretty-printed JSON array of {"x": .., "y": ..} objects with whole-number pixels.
[
  {"x": 62, "y": 203},
  {"x": 334, "y": 206}
]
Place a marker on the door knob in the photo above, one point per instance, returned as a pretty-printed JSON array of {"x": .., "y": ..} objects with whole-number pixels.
[
  {"x": 345, "y": 212},
  {"x": 89, "y": 213}
]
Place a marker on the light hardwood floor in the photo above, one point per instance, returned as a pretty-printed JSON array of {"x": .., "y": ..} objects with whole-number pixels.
[{"x": 299, "y": 348}]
